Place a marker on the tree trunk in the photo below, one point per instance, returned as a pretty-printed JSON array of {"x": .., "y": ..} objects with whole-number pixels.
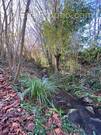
[
  {"x": 6, "y": 36},
  {"x": 22, "y": 39},
  {"x": 57, "y": 59}
]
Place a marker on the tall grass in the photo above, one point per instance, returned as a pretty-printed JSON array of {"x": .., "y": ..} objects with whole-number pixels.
[{"x": 37, "y": 89}]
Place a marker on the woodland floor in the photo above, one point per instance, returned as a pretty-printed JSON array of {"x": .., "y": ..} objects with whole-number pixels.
[{"x": 14, "y": 120}]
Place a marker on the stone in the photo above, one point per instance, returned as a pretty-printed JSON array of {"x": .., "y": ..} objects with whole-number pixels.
[
  {"x": 86, "y": 119},
  {"x": 90, "y": 108}
]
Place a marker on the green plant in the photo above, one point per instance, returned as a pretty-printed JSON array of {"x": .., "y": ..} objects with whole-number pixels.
[
  {"x": 39, "y": 123},
  {"x": 38, "y": 90},
  {"x": 27, "y": 106},
  {"x": 64, "y": 82},
  {"x": 90, "y": 54},
  {"x": 69, "y": 127}
]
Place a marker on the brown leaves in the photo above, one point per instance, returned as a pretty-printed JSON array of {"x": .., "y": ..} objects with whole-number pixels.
[
  {"x": 55, "y": 120},
  {"x": 13, "y": 119},
  {"x": 30, "y": 126}
]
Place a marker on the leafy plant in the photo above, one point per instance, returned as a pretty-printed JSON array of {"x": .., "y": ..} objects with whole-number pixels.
[
  {"x": 64, "y": 81},
  {"x": 38, "y": 90},
  {"x": 69, "y": 127},
  {"x": 39, "y": 122},
  {"x": 90, "y": 54}
]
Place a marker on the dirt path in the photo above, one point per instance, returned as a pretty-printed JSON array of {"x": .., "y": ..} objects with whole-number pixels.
[{"x": 13, "y": 119}]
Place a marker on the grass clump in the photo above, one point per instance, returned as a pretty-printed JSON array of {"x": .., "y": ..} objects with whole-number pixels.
[{"x": 38, "y": 90}]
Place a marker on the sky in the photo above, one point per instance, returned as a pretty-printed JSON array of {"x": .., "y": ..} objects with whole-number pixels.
[{"x": 39, "y": 15}]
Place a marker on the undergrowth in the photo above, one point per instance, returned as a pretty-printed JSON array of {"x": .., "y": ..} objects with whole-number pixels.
[
  {"x": 39, "y": 93},
  {"x": 36, "y": 90}
]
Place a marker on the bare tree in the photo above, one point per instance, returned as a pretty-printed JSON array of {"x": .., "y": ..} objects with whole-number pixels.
[
  {"x": 22, "y": 39},
  {"x": 6, "y": 35}
]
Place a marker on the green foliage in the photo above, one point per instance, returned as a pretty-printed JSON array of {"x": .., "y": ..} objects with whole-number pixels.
[
  {"x": 69, "y": 127},
  {"x": 42, "y": 90},
  {"x": 27, "y": 106},
  {"x": 39, "y": 123},
  {"x": 91, "y": 54},
  {"x": 37, "y": 89},
  {"x": 93, "y": 79},
  {"x": 58, "y": 31},
  {"x": 64, "y": 82},
  {"x": 77, "y": 87},
  {"x": 76, "y": 14}
]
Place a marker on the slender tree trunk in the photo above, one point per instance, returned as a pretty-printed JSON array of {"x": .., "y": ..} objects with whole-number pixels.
[
  {"x": 6, "y": 36},
  {"x": 57, "y": 60},
  {"x": 49, "y": 58},
  {"x": 22, "y": 39},
  {"x": 0, "y": 36}
]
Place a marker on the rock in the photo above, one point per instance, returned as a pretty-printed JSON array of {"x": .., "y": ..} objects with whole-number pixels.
[
  {"x": 74, "y": 116},
  {"x": 90, "y": 108},
  {"x": 86, "y": 121},
  {"x": 95, "y": 124},
  {"x": 87, "y": 99},
  {"x": 62, "y": 99}
]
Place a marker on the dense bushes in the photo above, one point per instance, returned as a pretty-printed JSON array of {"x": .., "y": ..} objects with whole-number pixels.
[{"x": 90, "y": 55}]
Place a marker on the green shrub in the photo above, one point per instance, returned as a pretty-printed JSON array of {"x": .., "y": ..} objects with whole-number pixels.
[
  {"x": 64, "y": 82},
  {"x": 90, "y": 54},
  {"x": 69, "y": 127},
  {"x": 37, "y": 89}
]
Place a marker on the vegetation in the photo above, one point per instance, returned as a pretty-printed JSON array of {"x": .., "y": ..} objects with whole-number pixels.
[
  {"x": 59, "y": 30},
  {"x": 38, "y": 90},
  {"x": 50, "y": 53}
]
